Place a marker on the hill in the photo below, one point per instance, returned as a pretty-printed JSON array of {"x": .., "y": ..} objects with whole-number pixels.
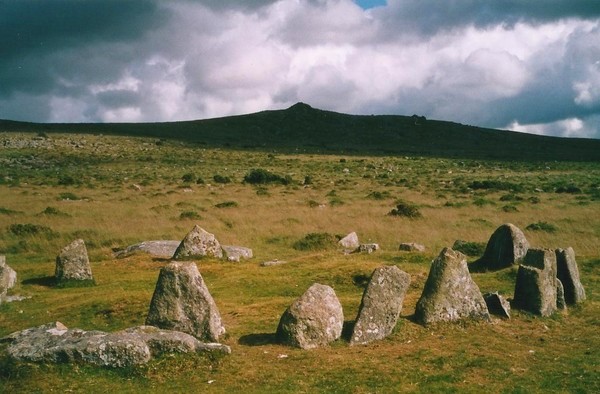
[{"x": 302, "y": 128}]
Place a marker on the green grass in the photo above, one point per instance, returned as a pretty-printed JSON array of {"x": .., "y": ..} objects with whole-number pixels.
[{"x": 526, "y": 353}]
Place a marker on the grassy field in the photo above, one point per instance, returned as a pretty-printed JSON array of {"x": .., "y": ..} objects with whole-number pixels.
[{"x": 116, "y": 191}]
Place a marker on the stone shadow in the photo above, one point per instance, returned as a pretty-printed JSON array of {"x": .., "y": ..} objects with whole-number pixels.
[
  {"x": 46, "y": 281},
  {"x": 261, "y": 339}
]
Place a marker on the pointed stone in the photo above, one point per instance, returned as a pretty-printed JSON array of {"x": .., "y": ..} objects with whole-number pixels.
[
  {"x": 73, "y": 263},
  {"x": 198, "y": 243},
  {"x": 313, "y": 320},
  {"x": 497, "y": 305},
  {"x": 182, "y": 302},
  {"x": 568, "y": 273},
  {"x": 535, "y": 289},
  {"x": 381, "y": 305},
  {"x": 450, "y": 293},
  {"x": 507, "y": 246}
]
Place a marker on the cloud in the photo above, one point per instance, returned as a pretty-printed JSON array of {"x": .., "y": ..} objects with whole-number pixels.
[{"x": 529, "y": 65}]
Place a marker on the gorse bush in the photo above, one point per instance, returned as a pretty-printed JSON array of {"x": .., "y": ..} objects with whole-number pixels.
[
  {"x": 259, "y": 176},
  {"x": 542, "y": 226},
  {"x": 407, "y": 210},
  {"x": 227, "y": 204},
  {"x": 377, "y": 195},
  {"x": 316, "y": 241},
  {"x": 189, "y": 215},
  {"x": 221, "y": 179},
  {"x": 496, "y": 185},
  {"x": 28, "y": 229},
  {"x": 188, "y": 178}
]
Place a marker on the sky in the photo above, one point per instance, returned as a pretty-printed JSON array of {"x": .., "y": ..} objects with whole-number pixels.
[{"x": 524, "y": 65}]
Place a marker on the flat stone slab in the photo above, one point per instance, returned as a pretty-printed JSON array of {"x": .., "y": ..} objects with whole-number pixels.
[
  {"x": 411, "y": 247},
  {"x": 159, "y": 248},
  {"x": 272, "y": 263},
  {"x": 236, "y": 253},
  {"x": 55, "y": 343}
]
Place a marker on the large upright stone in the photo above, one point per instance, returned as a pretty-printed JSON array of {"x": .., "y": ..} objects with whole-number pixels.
[
  {"x": 450, "y": 293},
  {"x": 350, "y": 241},
  {"x": 73, "y": 263},
  {"x": 182, "y": 302},
  {"x": 568, "y": 273},
  {"x": 381, "y": 305},
  {"x": 507, "y": 246},
  {"x": 313, "y": 320},
  {"x": 198, "y": 243},
  {"x": 536, "y": 286},
  {"x": 8, "y": 278}
]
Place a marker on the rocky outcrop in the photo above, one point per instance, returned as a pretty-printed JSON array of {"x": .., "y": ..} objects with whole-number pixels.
[
  {"x": 411, "y": 247},
  {"x": 313, "y": 320},
  {"x": 450, "y": 293},
  {"x": 536, "y": 286},
  {"x": 73, "y": 263},
  {"x": 8, "y": 278},
  {"x": 568, "y": 273},
  {"x": 182, "y": 302},
  {"x": 350, "y": 241},
  {"x": 160, "y": 249},
  {"x": 55, "y": 343},
  {"x": 497, "y": 305},
  {"x": 507, "y": 246},
  {"x": 198, "y": 243},
  {"x": 381, "y": 305},
  {"x": 236, "y": 253}
]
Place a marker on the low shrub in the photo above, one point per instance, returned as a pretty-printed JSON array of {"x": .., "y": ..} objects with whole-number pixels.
[
  {"x": 227, "y": 204},
  {"x": 259, "y": 176},
  {"x": 51, "y": 211},
  {"x": 316, "y": 241},
  {"x": 542, "y": 226},
  {"x": 511, "y": 197},
  {"x": 469, "y": 248},
  {"x": 406, "y": 209},
  {"x": 189, "y": 215},
  {"x": 68, "y": 196},
  {"x": 480, "y": 202},
  {"x": 571, "y": 189},
  {"x": 221, "y": 179},
  {"x": 28, "y": 229},
  {"x": 377, "y": 195},
  {"x": 188, "y": 177},
  {"x": 6, "y": 211},
  {"x": 510, "y": 208},
  {"x": 496, "y": 185}
]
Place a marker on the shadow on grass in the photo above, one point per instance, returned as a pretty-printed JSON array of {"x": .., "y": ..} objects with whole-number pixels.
[
  {"x": 47, "y": 281},
  {"x": 262, "y": 339}
]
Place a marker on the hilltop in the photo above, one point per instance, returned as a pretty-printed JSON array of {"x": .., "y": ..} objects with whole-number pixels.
[{"x": 302, "y": 128}]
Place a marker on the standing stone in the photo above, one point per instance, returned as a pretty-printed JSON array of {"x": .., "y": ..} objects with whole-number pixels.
[
  {"x": 450, "y": 293},
  {"x": 350, "y": 241},
  {"x": 381, "y": 305},
  {"x": 497, "y": 305},
  {"x": 73, "y": 263},
  {"x": 198, "y": 243},
  {"x": 561, "y": 303},
  {"x": 535, "y": 289},
  {"x": 182, "y": 302},
  {"x": 507, "y": 246},
  {"x": 313, "y": 320},
  {"x": 568, "y": 273},
  {"x": 8, "y": 278}
]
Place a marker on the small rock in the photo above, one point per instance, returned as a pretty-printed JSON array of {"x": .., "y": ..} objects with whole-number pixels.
[
  {"x": 272, "y": 263},
  {"x": 411, "y": 247},
  {"x": 8, "y": 279},
  {"x": 366, "y": 248},
  {"x": 236, "y": 253},
  {"x": 497, "y": 305}
]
